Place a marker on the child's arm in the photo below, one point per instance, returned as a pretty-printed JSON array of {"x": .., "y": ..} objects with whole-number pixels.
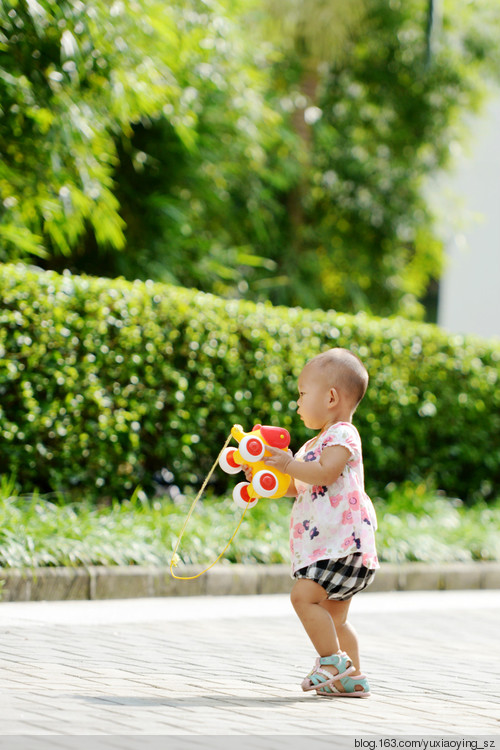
[
  {"x": 292, "y": 490},
  {"x": 323, "y": 472}
]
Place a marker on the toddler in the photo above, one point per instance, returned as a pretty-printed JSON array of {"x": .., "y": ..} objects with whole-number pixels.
[{"x": 332, "y": 529}]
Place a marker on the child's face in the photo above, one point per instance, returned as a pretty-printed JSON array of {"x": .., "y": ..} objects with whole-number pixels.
[{"x": 314, "y": 397}]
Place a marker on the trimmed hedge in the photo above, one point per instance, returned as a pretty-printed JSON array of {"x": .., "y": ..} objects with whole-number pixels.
[{"x": 104, "y": 382}]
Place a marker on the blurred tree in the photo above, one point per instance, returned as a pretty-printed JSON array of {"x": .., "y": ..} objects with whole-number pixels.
[
  {"x": 384, "y": 117},
  {"x": 311, "y": 32},
  {"x": 206, "y": 216},
  {"x": 163, "y": 140},
  {"x": 105, "y": 108},
  {"x": 69, "y": 81}
]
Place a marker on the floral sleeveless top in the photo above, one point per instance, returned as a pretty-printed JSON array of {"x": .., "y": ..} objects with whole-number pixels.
[{"x": 328, "y": 523}]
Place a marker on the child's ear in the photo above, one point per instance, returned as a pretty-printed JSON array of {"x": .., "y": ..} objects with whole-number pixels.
[{"x": 334, "y": 397}]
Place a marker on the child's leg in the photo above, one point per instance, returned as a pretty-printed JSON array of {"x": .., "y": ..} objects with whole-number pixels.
[
  {"x": 308, "y": 599},
  {"x": 346, "y": 634}
]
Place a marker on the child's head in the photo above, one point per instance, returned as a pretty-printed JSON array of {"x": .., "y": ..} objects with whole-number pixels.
[
  {"x": 331, "y": 385},
  {"x": 344, "y": 371}
]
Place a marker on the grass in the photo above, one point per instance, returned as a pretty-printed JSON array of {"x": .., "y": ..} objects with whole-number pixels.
[{"x": 415, "y": 523}]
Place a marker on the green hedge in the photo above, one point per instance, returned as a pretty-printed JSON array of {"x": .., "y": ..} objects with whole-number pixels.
[{"x": 103, "y": 382}]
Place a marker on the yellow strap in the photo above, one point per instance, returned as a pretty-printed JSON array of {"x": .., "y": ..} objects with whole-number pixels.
[{"x": 173, "y": 561}]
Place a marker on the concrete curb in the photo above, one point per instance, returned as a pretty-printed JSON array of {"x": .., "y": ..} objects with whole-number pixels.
[{"x": 96, "y": 582}]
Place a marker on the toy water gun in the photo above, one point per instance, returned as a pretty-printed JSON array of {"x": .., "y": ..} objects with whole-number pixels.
[{"x": 266, "y": 481}]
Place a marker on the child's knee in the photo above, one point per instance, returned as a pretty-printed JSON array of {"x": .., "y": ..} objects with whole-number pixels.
[{"x": 306, "y": 592}]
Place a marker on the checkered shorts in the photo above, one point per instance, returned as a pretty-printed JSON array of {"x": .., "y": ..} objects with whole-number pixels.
[{"x": 341, "y": 578}]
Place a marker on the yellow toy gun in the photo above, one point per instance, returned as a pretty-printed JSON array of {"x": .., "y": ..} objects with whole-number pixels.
[{"x": 266, "y": 481}]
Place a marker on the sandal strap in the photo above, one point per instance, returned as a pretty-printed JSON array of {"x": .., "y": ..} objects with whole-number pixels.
[
  {"x": 320, "y": 673},
  {"x": 322, "y": 678},
  {"x": 348, "y": 683},
  {"x": 341, "y": 661}
]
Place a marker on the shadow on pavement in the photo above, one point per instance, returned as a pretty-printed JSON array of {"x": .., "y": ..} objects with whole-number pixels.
[{"x": 191, "y": 700}]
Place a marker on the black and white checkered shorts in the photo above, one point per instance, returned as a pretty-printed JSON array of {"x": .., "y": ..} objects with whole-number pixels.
[{"x": 341, "y": 578}]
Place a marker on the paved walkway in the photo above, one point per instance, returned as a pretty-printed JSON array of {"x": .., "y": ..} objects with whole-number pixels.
[{"x": 200, "y": 666}]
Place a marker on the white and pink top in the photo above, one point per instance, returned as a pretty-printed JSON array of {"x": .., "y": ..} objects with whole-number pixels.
[{"x": 332, "y": 522}]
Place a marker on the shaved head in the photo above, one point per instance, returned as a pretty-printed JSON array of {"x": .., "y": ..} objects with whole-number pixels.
[{"x": 344, "y": 371}]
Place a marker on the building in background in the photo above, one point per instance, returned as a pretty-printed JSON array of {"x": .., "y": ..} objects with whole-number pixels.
[{"x": 469, "y": 294}]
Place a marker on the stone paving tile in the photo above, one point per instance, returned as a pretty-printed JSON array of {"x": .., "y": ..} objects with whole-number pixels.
[{"x": 184, "y": 668}]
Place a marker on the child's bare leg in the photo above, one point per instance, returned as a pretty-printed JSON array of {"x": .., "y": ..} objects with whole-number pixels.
[
  {"x": 307, "y": 598},
  {"x": 346, "y": 634}
]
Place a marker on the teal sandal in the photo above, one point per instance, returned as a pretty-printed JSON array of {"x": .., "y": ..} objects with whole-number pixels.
[
  {"x": 321, "y": 678},
  {"x": 354, "y": 687}
]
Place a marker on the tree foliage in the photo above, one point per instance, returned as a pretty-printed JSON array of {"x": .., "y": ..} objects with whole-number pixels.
[
  {"x": 63, "y": 96},
  {"x": 382, "y": 117},
  {"x": 104, "y": 109},
  {"x": 162, "y": 140}
]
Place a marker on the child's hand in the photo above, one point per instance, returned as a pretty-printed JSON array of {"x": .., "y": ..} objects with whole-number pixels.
[
  {"x": 278, "y": 459},
  {"x": 247, "y": 471}
]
